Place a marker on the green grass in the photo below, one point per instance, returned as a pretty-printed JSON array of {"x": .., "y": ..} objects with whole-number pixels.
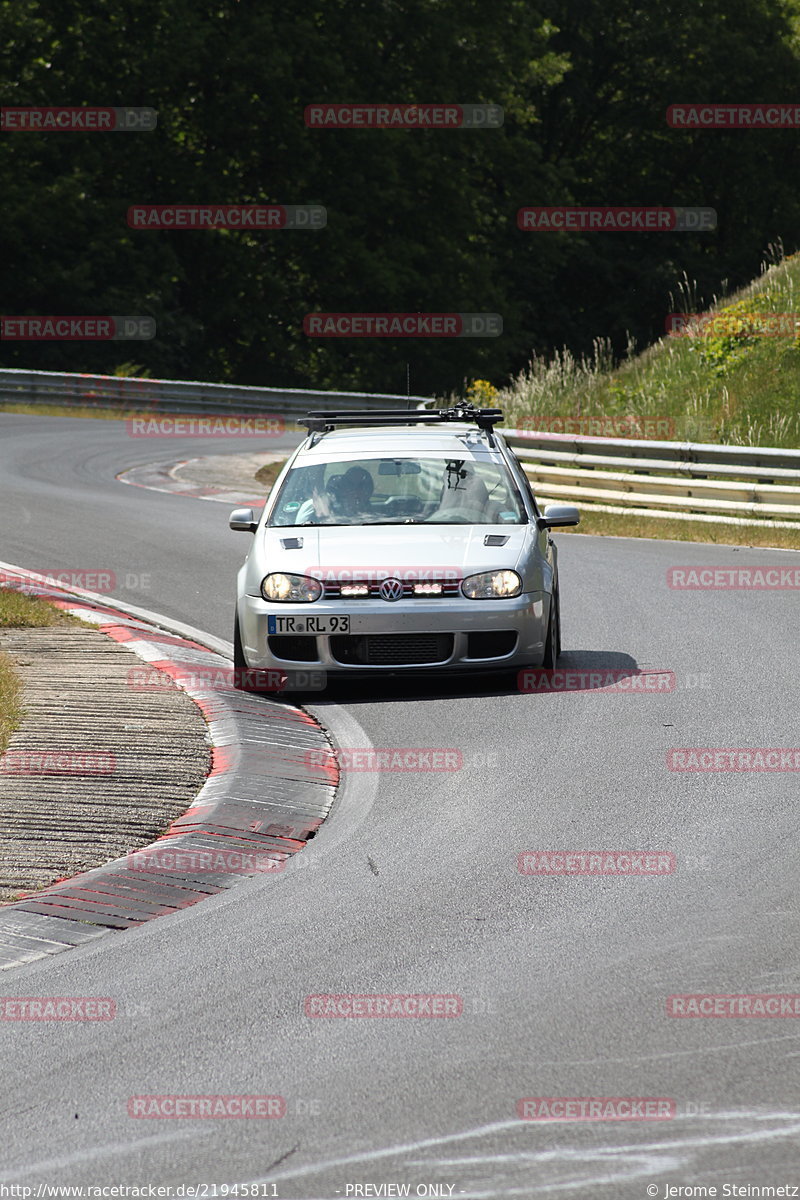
[
  {"x": 62, "y": 410},
  {"x": 10, "y": 708},
  {"x": 110, "y": 413},
  {"x": 634, "y": 526},
  {"x": 19, "y": 611},
  {"x": 267, "y": 474},
  {"x": 742, "y": 388},
  {"x": 737, "y": 387}
]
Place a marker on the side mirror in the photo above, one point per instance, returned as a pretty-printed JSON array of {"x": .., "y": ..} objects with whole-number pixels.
[
  {"x": 243, "y": 520},
  {"x": 556, "y": 515}
]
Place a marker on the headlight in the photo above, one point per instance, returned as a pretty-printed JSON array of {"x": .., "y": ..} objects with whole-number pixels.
[
  {"x": 293, "y": 589},
  {"x": 492, "y": 585}
]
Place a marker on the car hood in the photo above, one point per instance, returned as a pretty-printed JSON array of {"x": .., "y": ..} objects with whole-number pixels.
[{"x": 392, "y": 547}]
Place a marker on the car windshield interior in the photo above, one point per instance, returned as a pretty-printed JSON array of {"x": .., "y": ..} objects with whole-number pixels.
[{"x": 397, "y": 491}]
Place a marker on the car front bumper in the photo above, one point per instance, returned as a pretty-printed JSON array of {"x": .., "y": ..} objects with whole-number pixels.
[{"x": 525, "y": 616}]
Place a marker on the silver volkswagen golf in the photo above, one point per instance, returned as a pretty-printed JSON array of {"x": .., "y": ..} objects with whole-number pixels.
[{"x": 399, "y": 541}]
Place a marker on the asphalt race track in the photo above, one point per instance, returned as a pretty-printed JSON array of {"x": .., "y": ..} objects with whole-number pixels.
[{"x": 412, "y": 887}]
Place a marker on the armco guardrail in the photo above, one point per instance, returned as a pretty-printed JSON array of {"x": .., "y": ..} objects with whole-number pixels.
[
  {"x": 742, "y": 485},
  {"x": 55, "y": 387}
]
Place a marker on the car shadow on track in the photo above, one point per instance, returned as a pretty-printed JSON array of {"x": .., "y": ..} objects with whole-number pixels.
[{"x": 578, "y": 670}]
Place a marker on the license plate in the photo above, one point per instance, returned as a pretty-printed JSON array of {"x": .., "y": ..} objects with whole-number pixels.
[{"x": 308, "y": 624}]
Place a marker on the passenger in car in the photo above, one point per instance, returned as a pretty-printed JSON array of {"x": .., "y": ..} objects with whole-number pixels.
[{"x": 465, "y": 494}]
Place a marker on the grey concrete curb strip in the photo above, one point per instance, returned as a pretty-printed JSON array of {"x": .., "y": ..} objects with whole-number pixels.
[
  {"x": 160, "y": 477},
  {"x": 272, "y": 784},
  {"x": 96, "y": 766}
]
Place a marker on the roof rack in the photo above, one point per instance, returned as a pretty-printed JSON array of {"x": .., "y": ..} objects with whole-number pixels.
[{"x": 325, "y": 421}]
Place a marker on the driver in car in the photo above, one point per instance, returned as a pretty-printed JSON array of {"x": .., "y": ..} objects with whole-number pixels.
[
  {"x": 346, "y": 496},
  {"x": 354, "y": 493}
]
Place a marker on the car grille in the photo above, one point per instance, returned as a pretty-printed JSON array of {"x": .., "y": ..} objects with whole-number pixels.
[
  {"x": 333, "y": 590},
  {"x": 394, "y": 649}
]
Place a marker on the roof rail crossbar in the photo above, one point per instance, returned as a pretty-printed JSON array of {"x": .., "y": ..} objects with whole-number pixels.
[{"x": 322, "y": 421}]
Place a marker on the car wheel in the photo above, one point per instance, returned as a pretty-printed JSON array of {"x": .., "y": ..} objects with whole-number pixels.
[
  {"x": 552, "y": 646},
  {"x": 240, "y": 669}
]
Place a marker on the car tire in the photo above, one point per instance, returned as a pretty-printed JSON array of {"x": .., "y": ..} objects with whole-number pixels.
[
  {"x": 238, "y": 652},
  {"x": 552, "y": 645},
  {"x": 240, "y": 668}
]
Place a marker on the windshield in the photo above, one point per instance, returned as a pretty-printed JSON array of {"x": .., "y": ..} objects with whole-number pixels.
[{"x": 430, "y": 490}]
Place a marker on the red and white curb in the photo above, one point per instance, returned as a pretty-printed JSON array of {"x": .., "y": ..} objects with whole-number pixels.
[{"x": 264, "y": 799}]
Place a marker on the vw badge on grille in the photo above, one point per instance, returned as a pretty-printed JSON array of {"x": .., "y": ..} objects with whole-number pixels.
[{"x": 390, "y": 589}]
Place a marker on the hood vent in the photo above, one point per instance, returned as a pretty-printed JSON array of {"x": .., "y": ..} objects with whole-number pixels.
[
  {"x": 495, "y": 539},
  {"x": 292, "y": 543}
]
